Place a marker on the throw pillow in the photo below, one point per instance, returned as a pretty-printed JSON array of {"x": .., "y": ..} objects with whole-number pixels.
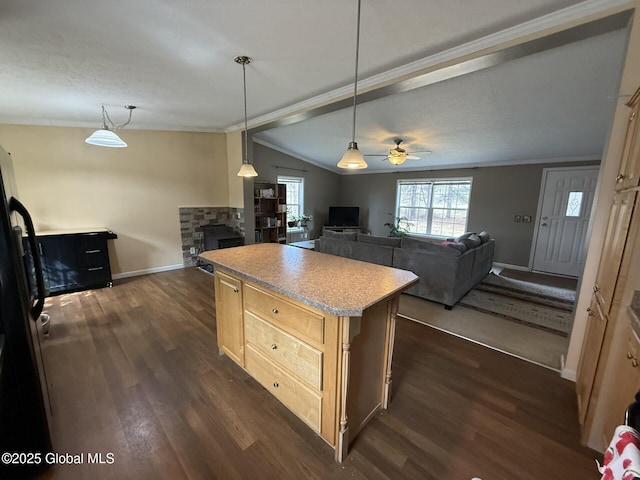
[
  {"x": 375, "y": 240},
  {"x": 459, "y": 246},
  {"x": 353, "y": 236},
  {"x": 484, "y": 236},
  {"x": 463, "y": 236},
  {"x": 472, "y": 241}
]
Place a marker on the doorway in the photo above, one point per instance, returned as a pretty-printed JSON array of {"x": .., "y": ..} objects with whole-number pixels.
[{"x": 565, "y": 206}]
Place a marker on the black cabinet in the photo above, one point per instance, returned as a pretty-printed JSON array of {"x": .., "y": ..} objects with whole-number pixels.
[{"x": 75, "y": 261}]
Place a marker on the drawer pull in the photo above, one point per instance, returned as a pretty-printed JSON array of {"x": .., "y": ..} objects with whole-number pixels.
[
  {"x": 95, "y": 269},
  {"x": 589, "y": 312},
  {"x": 634, "y": 362},
  {"x": 274, "y": 347},
  {"x": 92, "y": 251},
  {"x": 596, "y": 288},
  {"x": 619, "y": 178},
  {"x": 235, "y": 289},
  {"x": 276, "y": 384},
  {"x": 629, "y": 355},
  {"x": 274, "y": 310}
]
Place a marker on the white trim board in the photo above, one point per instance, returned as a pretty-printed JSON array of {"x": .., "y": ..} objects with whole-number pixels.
[{"x": 146, "y": 271}]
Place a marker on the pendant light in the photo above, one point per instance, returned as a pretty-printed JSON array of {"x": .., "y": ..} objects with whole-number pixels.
[
  {"x": 352, "y": 158},
  {"x": 107, "y": 137},
  {"x": 246, "y": 170}
]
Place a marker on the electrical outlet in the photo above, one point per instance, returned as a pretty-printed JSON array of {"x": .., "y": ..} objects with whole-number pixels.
[
  {"x": 517, "y": 218},
  {"x": 192, "y": 250},
  {"x": 526, "y": 218}
]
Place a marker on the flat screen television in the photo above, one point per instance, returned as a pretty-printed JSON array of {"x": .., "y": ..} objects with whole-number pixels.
[{"x": 344, "y": 216}]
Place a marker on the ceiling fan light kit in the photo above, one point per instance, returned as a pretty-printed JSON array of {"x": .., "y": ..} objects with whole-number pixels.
[
  {"x": 107, "y": 137},
  {"x": 352, "y": 158},
  {"x": 246, "y": 170},
  {"x": 397, "y": 158}
]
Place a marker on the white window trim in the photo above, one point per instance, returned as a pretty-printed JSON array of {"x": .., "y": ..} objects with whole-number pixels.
[
  {"x": 432, "y": 180},
  {"x": 300, "y": 180}
]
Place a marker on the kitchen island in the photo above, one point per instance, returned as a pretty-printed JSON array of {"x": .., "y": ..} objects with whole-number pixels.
[{"x": 316, "y": 330}]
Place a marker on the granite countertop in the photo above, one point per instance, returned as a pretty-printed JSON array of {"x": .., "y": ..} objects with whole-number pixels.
[
  {"x": 634, "y": 312},
  {"x": 336, "y": 285}
]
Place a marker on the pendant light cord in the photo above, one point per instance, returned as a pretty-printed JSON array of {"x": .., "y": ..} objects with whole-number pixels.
[
  {"x": 246, "y": 137},
  {"x": 355, "y": 82},
  {"x": 105, "y": 117}
]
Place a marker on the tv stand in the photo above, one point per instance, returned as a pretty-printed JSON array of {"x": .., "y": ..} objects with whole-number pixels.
[{"x": 336, "y": 228}]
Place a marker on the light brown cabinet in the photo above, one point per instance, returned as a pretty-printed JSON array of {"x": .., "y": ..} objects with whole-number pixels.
[
  {"x": 608, "y": 376},
  {"x": 322, "y": 350},
  {"x": 629, "y": 175},
  {"x": 614, "y": 247},
  {"x": 589, "y": 357},
  {"x": 230, "y": 332}
]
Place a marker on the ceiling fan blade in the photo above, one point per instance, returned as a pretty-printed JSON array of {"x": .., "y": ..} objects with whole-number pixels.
[{"x": 412, "y": 157}]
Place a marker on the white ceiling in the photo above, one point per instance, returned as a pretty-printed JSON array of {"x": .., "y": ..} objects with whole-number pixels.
[{"x": 59, "y": 61}]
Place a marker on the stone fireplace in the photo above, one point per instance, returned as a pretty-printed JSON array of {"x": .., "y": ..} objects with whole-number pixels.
[{"x": 193, "y": 218}]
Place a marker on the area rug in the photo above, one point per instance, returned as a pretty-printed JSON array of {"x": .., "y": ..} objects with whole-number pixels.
[
  {"x": 542, "y": 306},
  {"x": 533, "y": 344}
]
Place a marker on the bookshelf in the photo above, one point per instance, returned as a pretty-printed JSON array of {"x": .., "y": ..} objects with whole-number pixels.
[{"x": 270, "y": 210}]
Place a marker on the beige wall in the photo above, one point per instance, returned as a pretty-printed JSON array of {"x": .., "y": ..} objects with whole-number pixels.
[
  {"x": 234, "y": 162},
  {"x": 134, "y": 191}
]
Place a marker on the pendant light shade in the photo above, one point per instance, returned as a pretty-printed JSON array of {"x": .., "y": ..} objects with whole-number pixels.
[
  {"x": 107, "y": 137},
  {"x": 352, "y": 158},
  {"x": 246, "y": 170}
]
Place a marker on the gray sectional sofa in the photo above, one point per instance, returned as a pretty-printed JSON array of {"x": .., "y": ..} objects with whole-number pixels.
[{"x": 447, "y": 270}]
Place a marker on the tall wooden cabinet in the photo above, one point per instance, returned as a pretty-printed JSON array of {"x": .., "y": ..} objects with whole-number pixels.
[
  {"x": 608, "y": 375},
  {"x": 270, "y": 210}
]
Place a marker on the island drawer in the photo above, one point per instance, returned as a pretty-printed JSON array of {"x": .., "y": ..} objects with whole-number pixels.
[
  {"x": 300, "y": 399},
  {"x": 304, "y": 361},
  {"x": 303, "y": 323}
]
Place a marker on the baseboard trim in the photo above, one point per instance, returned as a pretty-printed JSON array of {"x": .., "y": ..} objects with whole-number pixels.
[
  {"x": 569, "y": 374},
  {"x": 511, "y": 267},
  {"x": 146, "y": 271}
]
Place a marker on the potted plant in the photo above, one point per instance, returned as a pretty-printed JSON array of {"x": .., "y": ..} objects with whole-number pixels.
[
  {"x": 304, "y": 219},
  {"x": 399, "y": 227}
]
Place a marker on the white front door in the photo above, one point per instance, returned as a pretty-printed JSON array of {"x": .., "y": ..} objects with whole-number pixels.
[{"x": 567, "y": 195}]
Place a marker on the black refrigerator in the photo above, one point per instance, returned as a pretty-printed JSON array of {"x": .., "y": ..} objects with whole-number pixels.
[{"x": 24, "y": 402}]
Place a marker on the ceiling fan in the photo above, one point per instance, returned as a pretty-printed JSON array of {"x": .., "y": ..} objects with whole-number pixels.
[{"x": 398, "y": 155}]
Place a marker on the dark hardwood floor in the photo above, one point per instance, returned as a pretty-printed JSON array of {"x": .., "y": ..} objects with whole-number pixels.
[{"x": 135, "y": 372}]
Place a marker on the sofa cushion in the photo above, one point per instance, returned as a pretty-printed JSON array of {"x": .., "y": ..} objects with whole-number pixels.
[
  {"x": 472, "y": 241},
  {"x": 412, "y": 243},
  {"x": 375, "y": 240},
  {"x": 458, "y": 246},
  {"x": 353, "y": 236},
  {"x": 419, "y": 244},
  {"x": 484, "y": 236}
]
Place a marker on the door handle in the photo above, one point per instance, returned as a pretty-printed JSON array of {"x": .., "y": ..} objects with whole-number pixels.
[
  {"x": 20, "y": 209},
  {"x": 544, "y": 224}
]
